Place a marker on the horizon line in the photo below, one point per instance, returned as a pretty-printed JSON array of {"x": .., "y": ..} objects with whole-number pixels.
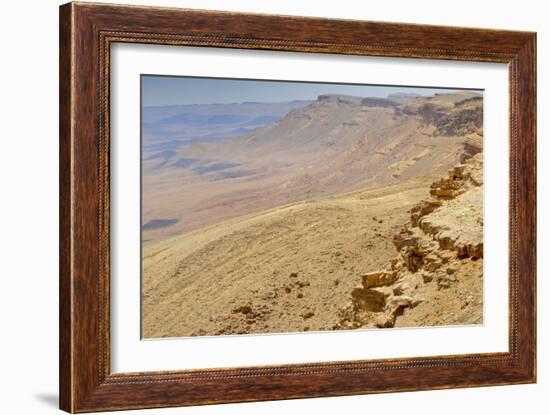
[
  {"x": 303, "y": 100},
  {"x": 167, "y": 85}
]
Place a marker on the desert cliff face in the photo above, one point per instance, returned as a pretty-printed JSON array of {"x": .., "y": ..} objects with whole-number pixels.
[
  {"x": 275, "y": 236},
  {"x": 437, "y": 276}
]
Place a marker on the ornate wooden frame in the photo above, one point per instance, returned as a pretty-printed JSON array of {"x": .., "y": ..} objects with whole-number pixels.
[{"x": 86, "y": 33}]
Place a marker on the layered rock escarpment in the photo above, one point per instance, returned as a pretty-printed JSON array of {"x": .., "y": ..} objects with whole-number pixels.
[
  {"x": 442, "y": 244},
  {"x": 379, "y": 102},
  {"x": 473, "y": 144},
  {"x": 462, "y": 118}
]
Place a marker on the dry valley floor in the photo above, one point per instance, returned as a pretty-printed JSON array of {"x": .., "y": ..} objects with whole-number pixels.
[{"x": 287, "y": 269}]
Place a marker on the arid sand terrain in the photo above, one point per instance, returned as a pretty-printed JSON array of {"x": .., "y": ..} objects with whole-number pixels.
[
  {"x": 288, "y": 269},
  {"x": 347, "y": 213}
]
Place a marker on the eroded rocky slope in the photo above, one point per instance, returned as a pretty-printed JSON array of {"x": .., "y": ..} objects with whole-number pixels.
[
  {"x": 288, "y": 269},
  {"x": 437, "y": 276}
]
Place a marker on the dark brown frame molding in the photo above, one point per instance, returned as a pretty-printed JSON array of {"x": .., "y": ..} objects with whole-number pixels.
[{"x": 86, "y": 33}]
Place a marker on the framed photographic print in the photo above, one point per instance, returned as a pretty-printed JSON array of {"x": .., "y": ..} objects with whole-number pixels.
[{"x": 260, "y": 207}]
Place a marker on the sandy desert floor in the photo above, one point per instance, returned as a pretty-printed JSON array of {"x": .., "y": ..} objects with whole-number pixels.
[{"x": 286, "y": 269}]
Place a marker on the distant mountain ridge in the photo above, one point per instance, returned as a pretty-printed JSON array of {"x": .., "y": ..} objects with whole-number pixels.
[
  {"x": 156, "y": 113},
  {"x": 172, "y": 127},
  {"x": 335, "y": 144}
]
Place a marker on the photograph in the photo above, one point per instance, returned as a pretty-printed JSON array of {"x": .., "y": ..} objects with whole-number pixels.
[{"x": 275, "y": 206}]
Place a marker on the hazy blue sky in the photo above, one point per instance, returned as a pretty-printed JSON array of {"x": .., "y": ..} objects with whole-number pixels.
[{"x": 172, "y": 90}]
